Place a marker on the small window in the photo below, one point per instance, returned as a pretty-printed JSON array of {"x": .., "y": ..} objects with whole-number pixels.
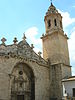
[
  {"x": 73, "y": 92},
  {"x": 49, "y": 23},
  {"x": 60, "y": 24},
  {"x": 55, "y": 23},
  {"x": 20, "y": 73}
]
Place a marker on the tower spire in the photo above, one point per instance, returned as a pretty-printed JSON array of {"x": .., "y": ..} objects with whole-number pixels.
[{"x": 51, "y": 2}]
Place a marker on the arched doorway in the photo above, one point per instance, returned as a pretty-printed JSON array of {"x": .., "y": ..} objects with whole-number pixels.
[{"x": 22, "y": 83}]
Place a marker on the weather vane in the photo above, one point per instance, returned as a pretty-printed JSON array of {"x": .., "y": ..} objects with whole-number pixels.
[{"x": 50, "y": 0}]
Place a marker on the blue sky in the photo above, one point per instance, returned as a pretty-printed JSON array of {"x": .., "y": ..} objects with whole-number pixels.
[{"x": 19, "y": 16}]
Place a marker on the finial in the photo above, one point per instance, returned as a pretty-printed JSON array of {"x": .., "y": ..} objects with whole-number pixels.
[
  {"x": 24, "y": 37},
  {"x": 15, "y": 40},
  {"x": 39, "y": 53},
  {"x": 51, "y": 2},
  {"x": 3, "y": 40},
  {"x": 32, "y": 46}
]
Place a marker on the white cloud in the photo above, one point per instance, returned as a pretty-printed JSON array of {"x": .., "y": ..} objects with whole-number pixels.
[
  {"x": 72, "y": 45},
  {"x": 73, "y": 71},
  {"x": 31, "y": 35},
  {"x": 67, "y": 20}
]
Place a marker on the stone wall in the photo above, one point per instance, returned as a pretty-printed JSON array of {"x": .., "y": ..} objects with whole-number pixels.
[
  {"x": 66, "y": 71},
  {"x": 41, "y": 74},
  {"x": 55, "y": 47},
  {"x": 55, "y": 82}
]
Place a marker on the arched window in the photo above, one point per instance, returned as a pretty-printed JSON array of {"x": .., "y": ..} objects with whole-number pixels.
[
  {"x": 55, "y": 23},
  {"x": 49, "y": 23},
  {"x": 60, "y": 24}
]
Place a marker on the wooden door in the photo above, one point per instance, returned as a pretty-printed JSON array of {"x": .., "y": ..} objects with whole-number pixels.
[{"x": 20, "y": 97}]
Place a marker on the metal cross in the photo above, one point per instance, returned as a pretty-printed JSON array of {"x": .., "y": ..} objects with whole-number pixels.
[{"x": 50, "y": 0}]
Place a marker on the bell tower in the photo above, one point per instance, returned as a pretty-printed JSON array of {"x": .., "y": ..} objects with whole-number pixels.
[
  {"x": 55, "y": 45},
  {"x": 55, "y": 50},
  {"x": 53, "y": 20}
]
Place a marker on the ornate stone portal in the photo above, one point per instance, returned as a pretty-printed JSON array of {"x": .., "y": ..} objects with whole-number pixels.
[
  {"x": 22, "y": 83},
  {"x": 18, "y": 66}
]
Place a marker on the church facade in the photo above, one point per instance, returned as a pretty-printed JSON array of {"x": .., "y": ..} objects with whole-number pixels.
[{"x": 25, "y": 75}]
